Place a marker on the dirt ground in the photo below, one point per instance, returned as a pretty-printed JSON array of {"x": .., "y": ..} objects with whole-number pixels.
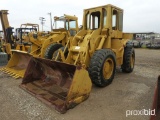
[{"x": 132, "y": 91}]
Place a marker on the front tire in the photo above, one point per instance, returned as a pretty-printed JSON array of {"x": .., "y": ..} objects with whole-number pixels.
[{"x": 102, "y": 67}]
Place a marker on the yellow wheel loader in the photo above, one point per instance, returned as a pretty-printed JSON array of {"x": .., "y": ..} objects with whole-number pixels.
[
  {"x": 8, "y": 42},
  {"x": 93, "y": 54},
  {"x": 42, "y": 45},
  {"x": 23, "y": 41}
]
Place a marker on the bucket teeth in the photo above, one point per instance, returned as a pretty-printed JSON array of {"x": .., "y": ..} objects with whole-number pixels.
[
  {"x": 1, "y": 69},
  {"x": 12, "y": 73},
  {"x": 16, "y": 76}
]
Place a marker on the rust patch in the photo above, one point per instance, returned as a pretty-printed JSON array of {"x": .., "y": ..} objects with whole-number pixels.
[
  {"x": 49, "y": 81},
  {"x": 79, "y": 67}
]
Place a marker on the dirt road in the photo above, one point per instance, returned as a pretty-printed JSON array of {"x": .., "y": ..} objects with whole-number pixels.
[{"x": 132, "y": 91}]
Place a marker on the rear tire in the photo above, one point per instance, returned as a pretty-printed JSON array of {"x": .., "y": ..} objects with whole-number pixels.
[
  {"x": 51, "y": 49},
  {"x": 102, "y": 67},
  {"x": 128, "y": 60}
]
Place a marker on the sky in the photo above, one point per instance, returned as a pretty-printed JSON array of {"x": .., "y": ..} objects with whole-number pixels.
[{"x": 139, "y": 15}]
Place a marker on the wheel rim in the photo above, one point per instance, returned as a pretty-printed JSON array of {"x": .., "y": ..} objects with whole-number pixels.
[
  {"x": 108, "y": 68},
  {"x": 132, "y": 60}
]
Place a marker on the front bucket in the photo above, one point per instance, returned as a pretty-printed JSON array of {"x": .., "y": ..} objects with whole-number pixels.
[
  {"x": 58, "y": 84},
  {"x": 17, "y": 65}
]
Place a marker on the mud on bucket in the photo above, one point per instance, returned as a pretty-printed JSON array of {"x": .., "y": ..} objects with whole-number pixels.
[{"x": 59, "y": 85}]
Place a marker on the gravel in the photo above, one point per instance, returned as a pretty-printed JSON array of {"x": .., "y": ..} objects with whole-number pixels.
[{"x": 132, "y": 91}]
